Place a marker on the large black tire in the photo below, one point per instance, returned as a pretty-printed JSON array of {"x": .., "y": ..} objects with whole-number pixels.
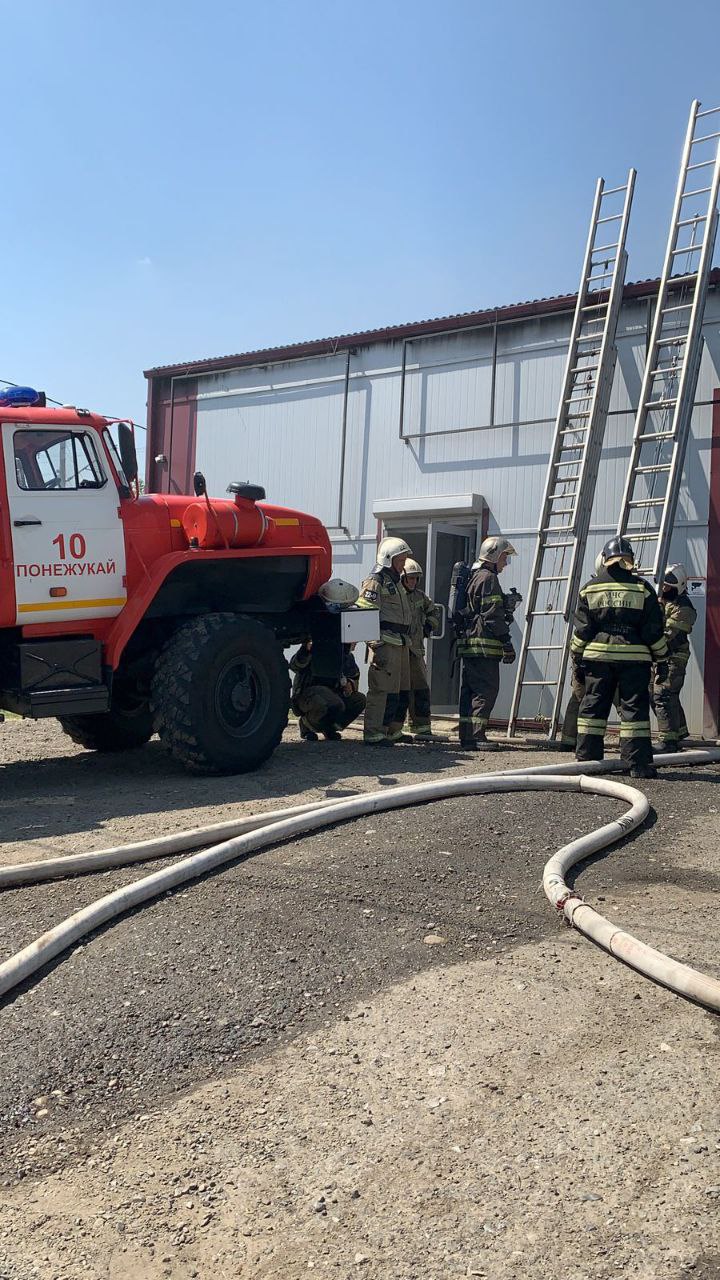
[
  {"x": 221, "y": 693},
  {"x": 128, "y": 724}
]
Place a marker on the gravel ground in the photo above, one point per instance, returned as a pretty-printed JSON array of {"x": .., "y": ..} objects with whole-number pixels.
[{"x": 373, "y": 1051}]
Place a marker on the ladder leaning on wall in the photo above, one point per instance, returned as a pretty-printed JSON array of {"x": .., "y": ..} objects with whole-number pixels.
[
  {"x": 572, "y": 471},
  {"x": 664, "y": 414}
]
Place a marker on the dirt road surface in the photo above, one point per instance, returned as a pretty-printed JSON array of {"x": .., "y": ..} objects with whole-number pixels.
[{"x": 373, "y": 1052}]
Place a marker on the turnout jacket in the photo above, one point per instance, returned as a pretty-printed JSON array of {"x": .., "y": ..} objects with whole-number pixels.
[
  {"x": 680, "y": 617},
  {"x": 618, "y": 619},
  {"x": 425, "y": 620},
  {"x": 384, "y": 591},
  {"x": 486, "y": 630}
]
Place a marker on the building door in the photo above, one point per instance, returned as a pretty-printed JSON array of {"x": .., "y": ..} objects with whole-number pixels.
[{"x": 446, "y": 543}]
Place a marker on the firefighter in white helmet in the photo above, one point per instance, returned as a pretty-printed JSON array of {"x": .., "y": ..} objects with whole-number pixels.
[
  {"x": 679, "y": 616},
  {"x": 485, "y": 643},
  {"x": 389, "y": 671},
  {"x": 426, "y": 619}
]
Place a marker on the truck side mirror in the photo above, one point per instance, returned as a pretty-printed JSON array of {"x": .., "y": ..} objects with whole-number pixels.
[{"x": 128, "y": 453}]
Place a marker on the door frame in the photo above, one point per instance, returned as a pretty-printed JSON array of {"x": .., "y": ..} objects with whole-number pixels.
[{"x": 467, "y": 526}]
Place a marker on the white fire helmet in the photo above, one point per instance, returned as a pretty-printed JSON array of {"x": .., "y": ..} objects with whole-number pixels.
[
  {"x": 491, "y": 549},
  {"x": 676, "y": 576},
  {"x": 412, "y": 569},
  {"x": 338, "y": 592},
  {"x": 390, "y": 548}
]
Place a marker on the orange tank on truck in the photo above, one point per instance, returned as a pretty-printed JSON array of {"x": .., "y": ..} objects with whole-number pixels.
[{"x": 124, "y": 614}]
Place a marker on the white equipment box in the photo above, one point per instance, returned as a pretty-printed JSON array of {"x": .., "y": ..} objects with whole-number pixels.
[{"x": 359, "y": 624}]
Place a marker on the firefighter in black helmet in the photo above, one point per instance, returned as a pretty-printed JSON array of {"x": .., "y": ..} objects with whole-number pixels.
[{"x": 618, "y": 634}]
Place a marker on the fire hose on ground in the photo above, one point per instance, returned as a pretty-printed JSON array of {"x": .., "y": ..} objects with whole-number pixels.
[{"x": 235, "y": 839}]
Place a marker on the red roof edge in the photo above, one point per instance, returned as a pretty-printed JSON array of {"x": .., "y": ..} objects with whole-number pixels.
[{"x": 415, "y": 329}]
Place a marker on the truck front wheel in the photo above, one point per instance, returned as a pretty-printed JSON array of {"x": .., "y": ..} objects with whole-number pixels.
[
  {"x": 127, "y": 724},
  {"x": 220, "y": 694}
]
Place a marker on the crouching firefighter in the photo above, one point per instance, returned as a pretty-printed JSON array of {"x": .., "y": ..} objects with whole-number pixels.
[
  {"x": 618, "y": 634},
  {"x": 389, "y": 671},
  {"x": 324, "y": 706},
  {"x": 680, "y": 617},
  {"x": 483, "y": 642}
]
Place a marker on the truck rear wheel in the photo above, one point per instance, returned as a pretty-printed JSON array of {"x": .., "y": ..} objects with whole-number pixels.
[
  {"x": 221, "y": 694},
  {"x": 128, "y": 723}
]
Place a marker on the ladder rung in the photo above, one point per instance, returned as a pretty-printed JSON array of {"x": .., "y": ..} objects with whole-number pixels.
[
  {"x": 663, "y": 370},
  {"x": 692, "y": 222},
  {"x": 643, "y": 471},
  {"x": 711, "y": 111},
  {"x": 656, "y": 435},
  {"x": 540, "y": 684},
  {"x": 571, "y": 431},
  {"x": 701, "y": 191},
  {"x": 612, "y": 217},
  {"x": 679, "y": 282},
  {"x": 553, "y": 497},
  {"x": 595, "y": 306},
  {"x": 661, "y": 404},
  {"x": 556, "y": 546},
  {"x": 543, "y": 648},
  {"x": 701, "y": 164},
  {"x": 612, "y": 191},
  {"x": 647, "y": 502},
  {"x": 601, "y": 248},
  {"x": 558, "y": 577},
  {"x": 641, "y": 537},
  {"x": 586, "y": 355},
  {"x": 708, "y": 137},
  {"x": 688, "y": 248},
  {"x": 669, "y": 342},
  {"x": 681, "y": 306}
]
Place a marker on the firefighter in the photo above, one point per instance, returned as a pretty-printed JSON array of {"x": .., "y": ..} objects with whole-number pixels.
[
  {"x": 568, "y": 740},
  {"x": 680, "y": 617},
  {"x": 426, "y": 620},
  {"x": 484, "y": 643},
  {"x": 324, "y": 706},
  {"x": 389, "y": 670},
  {"x": 618, "y": 634}
]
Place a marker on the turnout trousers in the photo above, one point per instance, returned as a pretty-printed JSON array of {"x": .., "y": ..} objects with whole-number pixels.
[
  {"x": 478, "y": 694},
  {"x": 572, "y": 710},
  {"x": 388, "y": 691},
  {"x": 415, "y": 700},
  {"x": 325, "y": 711},
  {"x": 665, "y": 702},
  {"x": 420, "y": 722},
  {"x": 602, "y": 681}
]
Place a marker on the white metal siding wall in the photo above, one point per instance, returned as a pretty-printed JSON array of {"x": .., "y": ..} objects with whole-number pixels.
[{"x": 281, "y": 425}]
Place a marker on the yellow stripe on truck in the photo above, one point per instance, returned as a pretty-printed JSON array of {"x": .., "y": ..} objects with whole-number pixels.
[
  {"x": 287, "y": 520},
  {"x": 46, "y": 605}
]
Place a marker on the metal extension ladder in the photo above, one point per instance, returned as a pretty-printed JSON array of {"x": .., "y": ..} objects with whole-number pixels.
[
  {"x": 662, "y": 424},
  {"x": 572, "y": 470}
]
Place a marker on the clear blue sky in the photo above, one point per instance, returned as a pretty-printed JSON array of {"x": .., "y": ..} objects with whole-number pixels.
[{"x": 186, "y": 179}]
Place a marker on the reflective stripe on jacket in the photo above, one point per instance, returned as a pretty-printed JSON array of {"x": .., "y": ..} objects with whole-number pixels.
[
  {"x": 618, "y": 619},
  {"x": 486, "y": 631}
]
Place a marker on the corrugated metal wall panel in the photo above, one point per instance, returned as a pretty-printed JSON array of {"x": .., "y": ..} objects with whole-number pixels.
[{"x": 281, "y": 426}]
